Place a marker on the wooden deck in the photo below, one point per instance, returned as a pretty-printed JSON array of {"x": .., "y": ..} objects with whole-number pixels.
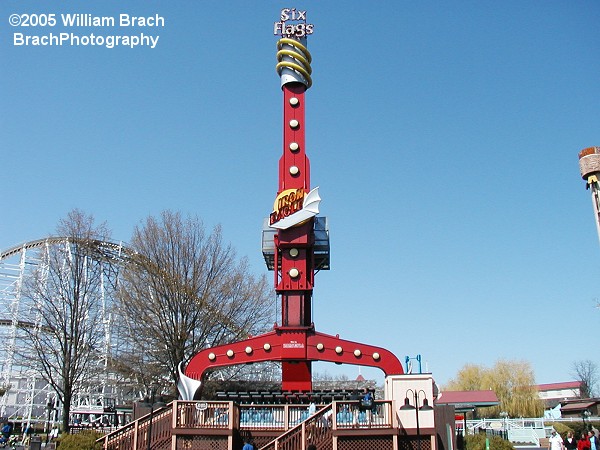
[{"x": 223, "y": 426}]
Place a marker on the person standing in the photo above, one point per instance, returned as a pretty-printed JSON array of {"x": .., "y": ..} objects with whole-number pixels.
[
  {"x": 570, "y": 443},
  {"x": 247, "y": 445},
  {"x": 27, "y": 435},
  {"x": 593, "y": 440},
  {"x": 583, "y": 443},
  {"x": 6, "y": 431},
  {"x": 555, "y": 442},
  {"x": 366, "y": 405}
]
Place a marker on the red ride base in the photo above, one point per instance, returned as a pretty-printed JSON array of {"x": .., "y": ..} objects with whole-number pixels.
[{"x": 296, "y": 349}]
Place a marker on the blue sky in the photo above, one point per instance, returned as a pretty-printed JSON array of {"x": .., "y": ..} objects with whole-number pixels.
[{"x": 443, "y": 136}]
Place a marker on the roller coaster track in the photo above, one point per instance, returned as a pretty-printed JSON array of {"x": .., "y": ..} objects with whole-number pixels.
[
  {"x": 27, "y": 394},
  {"x": 16, "y": 265}
]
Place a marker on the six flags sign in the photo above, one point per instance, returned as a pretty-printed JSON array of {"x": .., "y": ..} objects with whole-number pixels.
[{"x": 299, "y": 29}]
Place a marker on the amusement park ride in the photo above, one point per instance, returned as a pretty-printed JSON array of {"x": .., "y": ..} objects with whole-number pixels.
[
  {"x": 589, "y": 165},
  {"x": 295, "y": 245}
]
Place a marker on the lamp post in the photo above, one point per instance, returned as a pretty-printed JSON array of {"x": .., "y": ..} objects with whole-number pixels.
[
  {"x": 584, "y": 415},
  {"x": 425, "y": 407},
  {"x": 50, "y": 409},
  {"x": 149, "y": 438},
  {"x": 153, "y": 406}
]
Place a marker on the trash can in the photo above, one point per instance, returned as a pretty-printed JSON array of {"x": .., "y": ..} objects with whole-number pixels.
[{"x": 35, "y": 443}]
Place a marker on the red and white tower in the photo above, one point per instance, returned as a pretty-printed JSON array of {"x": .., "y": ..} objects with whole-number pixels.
[
  {"x": 294, "y": 212},
  {"x": 295, "y": 245}
]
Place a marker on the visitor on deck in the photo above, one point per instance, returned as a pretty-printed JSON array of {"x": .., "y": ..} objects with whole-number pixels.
[{"x": 366, "y": 404}]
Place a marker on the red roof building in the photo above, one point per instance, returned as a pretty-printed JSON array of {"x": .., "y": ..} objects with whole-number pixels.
[
  {"x": 554, "y": 393},
  {"x": 576, "y": 408},
  {"x": 464, "y": 401}
]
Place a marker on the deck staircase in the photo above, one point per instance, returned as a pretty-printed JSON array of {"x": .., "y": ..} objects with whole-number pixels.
[{"x": 314, "y": 430}]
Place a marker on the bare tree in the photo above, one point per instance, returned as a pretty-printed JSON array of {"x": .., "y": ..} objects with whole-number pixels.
[
  {"x": 185, "y": 290},
  {"x": 66, "y": 291},
  {"x": 586, "y": 372}
]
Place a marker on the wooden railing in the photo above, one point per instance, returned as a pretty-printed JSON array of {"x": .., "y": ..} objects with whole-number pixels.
[
  {"x": 206, "y": 415},
  {"x": 313, "y": 430},
  {"x": 348, "y": 415},
  {"x": 136, "y": 434},
  {"x": 291, "y": 422},
  {"x": 318, "y": 428}
]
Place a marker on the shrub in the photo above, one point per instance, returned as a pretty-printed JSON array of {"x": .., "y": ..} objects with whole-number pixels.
[
  {"x": 86, "y": 440},
  {"x": 477, "y": 442}
]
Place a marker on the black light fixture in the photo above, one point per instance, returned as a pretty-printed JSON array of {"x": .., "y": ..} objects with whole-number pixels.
[
  {"x": 416, "y": 408},
  {"x": 407, "y": 406},
  {"x": 425, "y": 406}
]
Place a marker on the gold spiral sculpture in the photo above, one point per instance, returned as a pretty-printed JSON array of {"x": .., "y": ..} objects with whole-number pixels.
[{"x": 293, "y": 55}]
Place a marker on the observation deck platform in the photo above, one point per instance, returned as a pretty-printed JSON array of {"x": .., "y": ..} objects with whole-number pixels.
[{"x": 223, "y": 425}]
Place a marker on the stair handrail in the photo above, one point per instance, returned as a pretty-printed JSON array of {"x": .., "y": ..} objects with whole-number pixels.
[
  {"x": 132, "y": 428},
  {"x": 322, "y": 416}
]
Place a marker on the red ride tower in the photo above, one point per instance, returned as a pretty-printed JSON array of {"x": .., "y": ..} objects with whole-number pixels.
[
  {"x": 294, "y": 212},
  {"x": 295, "y": 245}
]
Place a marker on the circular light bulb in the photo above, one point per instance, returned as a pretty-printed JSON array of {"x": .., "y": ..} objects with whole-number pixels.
[
  {"x": 294, "y": 101},
  {"x": 212, "y": 356},
  {"x": 248, "y": 350},
  {"x": 320, "y": 347},
  {"x": 267, "y": 347},
  {"x": 294, "y": 146},
  {"x": 339, "y": 350},
  {"x": 294, "y": 123},
  {"x": 376, "y": 356},
  {"x": 294, "y": 272},
  {"x": 294, "y": 252},
  {"x": 357, "y": 353},
  {"x": 294, "y": 170},
  {"x": 230, "y": 353}
]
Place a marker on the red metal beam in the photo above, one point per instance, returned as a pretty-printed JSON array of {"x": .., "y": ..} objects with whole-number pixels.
[{"x": 288, "y": 344}]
